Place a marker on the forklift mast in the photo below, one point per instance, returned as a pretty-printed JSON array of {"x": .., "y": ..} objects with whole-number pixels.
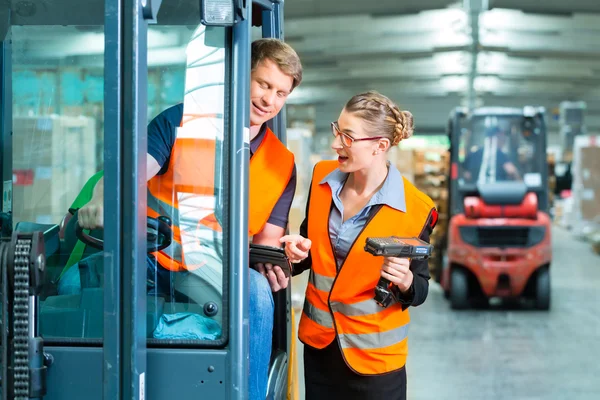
[{"x": 99, "y": 338}]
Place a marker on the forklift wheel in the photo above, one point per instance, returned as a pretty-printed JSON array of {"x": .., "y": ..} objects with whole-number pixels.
[
  {"x": 277, "y": 386},
  {"x": 459, "y": 289},
  {"x": 542, "y": 289}
]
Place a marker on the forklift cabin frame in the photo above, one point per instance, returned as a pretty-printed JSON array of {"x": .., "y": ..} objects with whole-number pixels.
[
  {"x": 123, "y": 365},
  {"x": 455, "y": 125}
]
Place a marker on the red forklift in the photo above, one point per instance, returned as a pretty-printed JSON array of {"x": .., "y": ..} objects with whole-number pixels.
[{"x": 498, "y": 240}]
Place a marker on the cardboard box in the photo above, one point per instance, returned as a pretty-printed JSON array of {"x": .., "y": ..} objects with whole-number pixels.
[
  {"x": 586, "y": 184},
  {"x": 590, "y": 180}
]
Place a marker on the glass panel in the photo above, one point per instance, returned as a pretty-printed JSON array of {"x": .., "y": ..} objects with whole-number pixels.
[
  {"x": 501, "y": 148},
  {"x": 57, "y": 121},
  {"x": 188, "y": 83}
]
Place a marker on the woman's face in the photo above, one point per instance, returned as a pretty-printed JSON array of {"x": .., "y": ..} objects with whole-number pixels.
[{"x": 353, "y": 155}]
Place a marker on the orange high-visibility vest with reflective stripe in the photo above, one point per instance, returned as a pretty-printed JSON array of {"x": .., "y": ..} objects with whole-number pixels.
[
  {"x": 191, "y": 175},
  {"x": 373, "y": 340}
]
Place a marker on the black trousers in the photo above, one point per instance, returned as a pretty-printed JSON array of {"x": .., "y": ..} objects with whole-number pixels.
[{"x": 327, "y": 376}]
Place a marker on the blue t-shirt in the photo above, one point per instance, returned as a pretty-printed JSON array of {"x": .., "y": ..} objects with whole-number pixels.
[
  {"x": 162, "y": 132},
  {"x": 474, "y": 160}
]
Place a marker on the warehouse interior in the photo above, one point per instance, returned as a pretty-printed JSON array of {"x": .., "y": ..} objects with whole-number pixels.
[{"x": 434, "y": 58}]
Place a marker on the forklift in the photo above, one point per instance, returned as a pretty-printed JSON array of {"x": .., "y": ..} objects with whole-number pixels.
[
  {"x": 106, "y": 339},
  {"x": 498, "y": 240}
]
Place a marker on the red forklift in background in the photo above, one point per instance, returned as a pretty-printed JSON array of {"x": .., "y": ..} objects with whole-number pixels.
[{"x": 498, "y": 240}]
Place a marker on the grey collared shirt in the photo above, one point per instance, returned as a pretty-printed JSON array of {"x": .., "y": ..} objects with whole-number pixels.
[{"x": 343, "y": 234}]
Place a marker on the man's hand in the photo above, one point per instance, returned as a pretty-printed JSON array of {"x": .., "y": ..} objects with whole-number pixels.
[
  {"x": 91, "y": 216},
  {"x": 275, "y": 276},
  {"x": 397, "y": 271},
  {"x": 512, "y": 171},
  {"x": 296, "y": 247}
]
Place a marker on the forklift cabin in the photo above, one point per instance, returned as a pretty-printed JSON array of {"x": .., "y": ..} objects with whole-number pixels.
[
  {"x": 498, "y": 240},
  {"x": 77, "y": 89}
]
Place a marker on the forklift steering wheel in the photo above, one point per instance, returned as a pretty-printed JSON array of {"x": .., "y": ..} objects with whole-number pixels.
[{"x": 157, "y": 240}]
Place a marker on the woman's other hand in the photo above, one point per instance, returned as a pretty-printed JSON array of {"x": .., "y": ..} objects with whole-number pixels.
[{"x": 296, "y": 247}]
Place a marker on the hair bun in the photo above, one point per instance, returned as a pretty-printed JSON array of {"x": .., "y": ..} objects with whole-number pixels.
[{"x": 404, "y": 126}]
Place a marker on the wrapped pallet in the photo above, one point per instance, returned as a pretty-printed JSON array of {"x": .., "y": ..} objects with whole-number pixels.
[{"x": 585, "y": 218}]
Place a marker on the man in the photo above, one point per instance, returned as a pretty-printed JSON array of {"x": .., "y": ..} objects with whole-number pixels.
[
  {"x": 490, "y": 163},
  {"x": 276, "y": 71}
]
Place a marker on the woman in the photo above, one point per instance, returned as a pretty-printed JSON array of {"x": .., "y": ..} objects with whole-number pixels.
[{"x": 354, "y": 348}]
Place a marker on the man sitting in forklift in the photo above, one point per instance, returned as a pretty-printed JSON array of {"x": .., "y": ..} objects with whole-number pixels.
[
  {"x": 490, "y": 163},
  {"x": 276, "y": 71}
]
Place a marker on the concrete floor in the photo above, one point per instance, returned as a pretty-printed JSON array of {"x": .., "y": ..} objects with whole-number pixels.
[{"x": 510, "y": 352}]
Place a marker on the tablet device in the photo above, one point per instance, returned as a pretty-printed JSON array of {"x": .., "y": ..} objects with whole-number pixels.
[{"x": 260, "y": 254}]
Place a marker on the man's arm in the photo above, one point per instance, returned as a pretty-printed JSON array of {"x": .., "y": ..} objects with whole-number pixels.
[
  {"x": 269, "y": 236},
  {"x": 508, "y": 166},
  {"x": 161, "y": 138},
  {"x": 91, "y": 216},
  {"x": 274, "y": 230},
  {"x": 307, "y": 262}
]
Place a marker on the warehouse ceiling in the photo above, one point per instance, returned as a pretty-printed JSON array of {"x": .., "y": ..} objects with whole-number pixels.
[{"x": 429, "y": 54}]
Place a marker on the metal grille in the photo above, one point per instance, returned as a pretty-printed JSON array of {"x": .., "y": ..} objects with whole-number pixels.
[{"x": 503, "y": 236}]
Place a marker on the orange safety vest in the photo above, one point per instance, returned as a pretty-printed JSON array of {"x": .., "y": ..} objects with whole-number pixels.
[
  {"x": 373, "y": 340},
  {"x": 191, "y": 175}
]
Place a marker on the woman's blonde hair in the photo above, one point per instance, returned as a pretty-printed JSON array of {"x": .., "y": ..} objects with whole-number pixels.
[
  {"x": 382, "y": 115},
  {"x": 281, "y": 53}
]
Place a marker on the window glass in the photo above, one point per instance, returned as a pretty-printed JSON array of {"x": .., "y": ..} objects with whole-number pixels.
[
  {"x": 57, "y": 150},
  {"x": 188, "y": 75},
  {"x": 500, "y": 148}
]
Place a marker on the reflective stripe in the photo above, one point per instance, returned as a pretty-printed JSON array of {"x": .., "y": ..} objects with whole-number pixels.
[
  {"x": 319, "y": 316},
  {"x": 321, "y": 282},
  {"x": 375, "y": 340},
  {"x": 174, "y": 251},
  {"x": 193, "y": 209},
  {"x": 366, "y": 307}
]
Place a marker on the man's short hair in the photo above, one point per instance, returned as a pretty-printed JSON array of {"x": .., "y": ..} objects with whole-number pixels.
[{"x": 281, "y": 53}]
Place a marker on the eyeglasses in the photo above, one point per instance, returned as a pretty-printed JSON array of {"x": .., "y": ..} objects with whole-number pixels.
[{"x": 346, "y": 139}]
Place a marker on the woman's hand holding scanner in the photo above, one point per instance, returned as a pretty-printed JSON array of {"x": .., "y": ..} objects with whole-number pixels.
[
  {"x": 397, "y": 271},
  {"x": 397, "y": 253},
  {"x": 296, "y": 247}
]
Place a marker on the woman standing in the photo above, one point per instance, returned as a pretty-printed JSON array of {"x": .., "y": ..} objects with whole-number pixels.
[{"x": 354, "y": 348}]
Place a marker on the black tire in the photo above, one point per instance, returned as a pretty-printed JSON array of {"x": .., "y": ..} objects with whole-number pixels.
[
  {"x": 444, "y": 262},
  {"x": 542, "y": 289},
  {"x": 459, "y": 289},
  {"x": 441, "y": 257}
]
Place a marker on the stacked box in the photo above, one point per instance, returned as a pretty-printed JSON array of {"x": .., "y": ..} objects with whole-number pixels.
[
  {"x": 586, "y": 185},
  {"x": 551, "y": 179},
  {"x": 429, "y": 170},
  {"x": 57, "y": 154}
]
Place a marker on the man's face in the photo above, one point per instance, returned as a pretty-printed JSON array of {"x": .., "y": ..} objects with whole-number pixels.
[{"x": 269, "y": 89}]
